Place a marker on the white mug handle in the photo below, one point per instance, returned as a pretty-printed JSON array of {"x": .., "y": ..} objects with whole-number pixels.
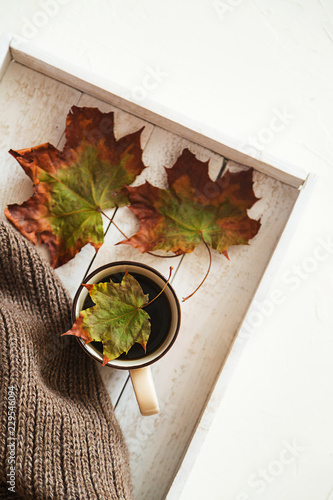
[{"x": 144, "y": 389}]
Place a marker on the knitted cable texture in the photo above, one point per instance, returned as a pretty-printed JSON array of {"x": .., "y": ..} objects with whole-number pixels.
[{"x": 59, "y": 438}]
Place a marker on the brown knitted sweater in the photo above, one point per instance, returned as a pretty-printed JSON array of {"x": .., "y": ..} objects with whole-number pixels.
[{"x": 59, "y": 437}]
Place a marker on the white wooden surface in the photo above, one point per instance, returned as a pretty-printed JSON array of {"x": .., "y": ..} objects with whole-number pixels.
[{"x": 33, "y": 110}]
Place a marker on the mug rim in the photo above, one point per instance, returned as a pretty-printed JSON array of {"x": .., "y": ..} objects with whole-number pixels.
[{"x": 128, "y": 366}]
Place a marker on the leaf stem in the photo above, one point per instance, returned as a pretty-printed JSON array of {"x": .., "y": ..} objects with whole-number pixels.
[
  {"x": 127, "y": 238},
  {"x": 113, "y": 222},
  {"x": 207, "y": 273},
  {"x": 166, "y": 284},
  {"x": 162, "y": 256}
]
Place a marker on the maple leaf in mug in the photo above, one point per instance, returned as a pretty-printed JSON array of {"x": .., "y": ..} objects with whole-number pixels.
[
  {"x": 194, "y": 209},
  {"x": 117, "y": 319},
  {"x": 74, "y": 186}
]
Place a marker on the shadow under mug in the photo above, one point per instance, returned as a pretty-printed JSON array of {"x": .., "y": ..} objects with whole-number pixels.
[{"x": 165, "y": 322}]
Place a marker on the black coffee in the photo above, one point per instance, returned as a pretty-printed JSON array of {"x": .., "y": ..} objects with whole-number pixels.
[{"x": 159, "y": 312}]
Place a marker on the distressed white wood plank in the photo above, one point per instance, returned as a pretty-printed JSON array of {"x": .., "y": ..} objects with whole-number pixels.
[
  {"x": 185, "y": 377},
  {"x": 163, "y": 149},
  {"x": 73, "y": 272}
]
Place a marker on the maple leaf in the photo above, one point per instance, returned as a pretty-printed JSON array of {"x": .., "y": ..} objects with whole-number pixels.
[
  {"x": 117, "y": 318},
  {"x": 74, "y": 186},
  {"x": 193, "y": 209}
]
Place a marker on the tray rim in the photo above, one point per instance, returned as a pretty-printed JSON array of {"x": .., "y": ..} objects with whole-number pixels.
[{"x": 13, "y": 48}]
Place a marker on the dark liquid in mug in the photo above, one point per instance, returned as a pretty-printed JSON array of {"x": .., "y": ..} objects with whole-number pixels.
[{"x": 159, "y": 312}]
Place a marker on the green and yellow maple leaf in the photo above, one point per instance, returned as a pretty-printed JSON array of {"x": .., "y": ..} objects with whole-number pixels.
[
  {"x": 117, "y": 319},
  {"x": 193, "y": 210},
  {"x": 74, "y": 186}
]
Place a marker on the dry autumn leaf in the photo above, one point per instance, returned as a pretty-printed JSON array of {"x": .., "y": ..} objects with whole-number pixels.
[
  {"x": 117, "y": 318},
  {"x": 74, "y": 186},
  {"x": 193, "y": 210}
]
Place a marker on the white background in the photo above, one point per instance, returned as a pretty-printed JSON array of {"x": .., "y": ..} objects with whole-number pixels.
[{"x": 232, "y": 66}]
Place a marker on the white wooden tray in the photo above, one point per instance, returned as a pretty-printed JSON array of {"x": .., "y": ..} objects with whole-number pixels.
[{"x": 36, "y": 94}]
